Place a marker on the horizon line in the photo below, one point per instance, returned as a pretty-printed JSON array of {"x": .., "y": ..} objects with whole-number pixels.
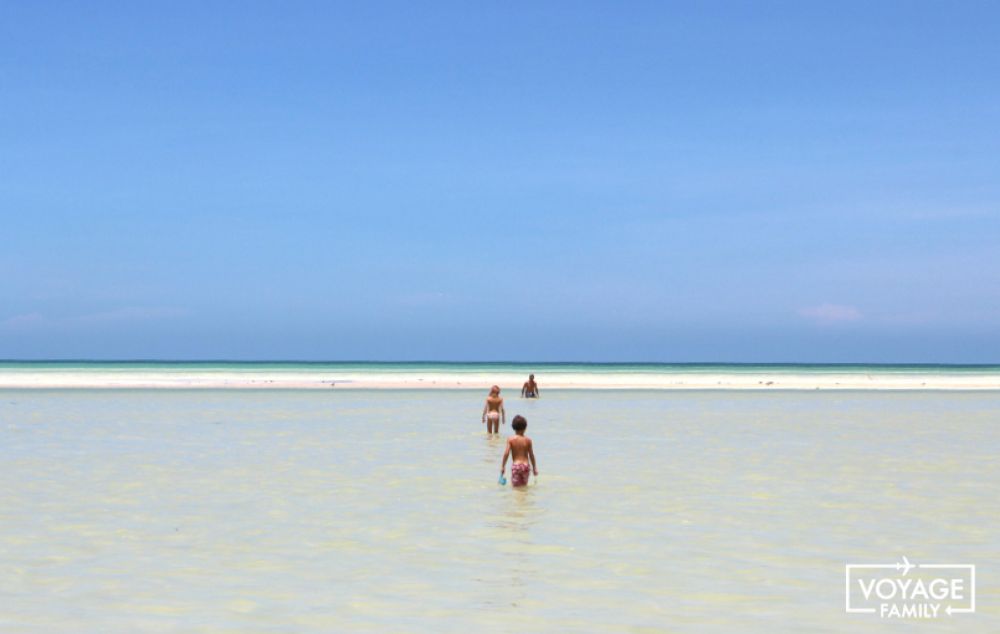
[{"x": 504, "y": 362}]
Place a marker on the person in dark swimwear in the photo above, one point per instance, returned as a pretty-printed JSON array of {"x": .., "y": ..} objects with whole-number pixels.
[{"x": 530, "y": 388}]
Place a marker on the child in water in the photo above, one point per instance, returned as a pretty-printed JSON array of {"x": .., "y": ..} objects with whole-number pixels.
[
  {"x": 520, "y": 446},
  {"x": 493, "y": 411}
]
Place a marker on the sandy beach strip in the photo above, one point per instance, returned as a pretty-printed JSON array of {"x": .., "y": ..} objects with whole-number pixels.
[{"x": 427, "y": 379}]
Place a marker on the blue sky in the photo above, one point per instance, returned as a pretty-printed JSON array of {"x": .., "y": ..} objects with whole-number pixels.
[{"x": 501, "y": 181}]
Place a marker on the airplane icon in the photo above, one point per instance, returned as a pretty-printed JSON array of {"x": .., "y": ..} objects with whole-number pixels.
[{"x": 905, "y": 566}]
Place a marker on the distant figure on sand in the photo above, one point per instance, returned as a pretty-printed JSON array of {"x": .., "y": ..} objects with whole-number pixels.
[
  {"x": 493, "y": 411},
  {"x": 520, "y": 446},
  {"x": 530, "y": 388}
]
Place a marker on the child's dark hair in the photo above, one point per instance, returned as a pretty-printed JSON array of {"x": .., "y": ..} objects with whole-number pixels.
[{"x": 520, "y": 423}]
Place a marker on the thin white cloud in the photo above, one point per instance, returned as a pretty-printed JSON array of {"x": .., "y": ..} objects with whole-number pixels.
[
  {"x": 132, "y": 314},
  {"x": 129, "y": 314},
  {"x": 27, "y": 321},
  {"x": 830, "y": 313},
  {"x": 951, "y": 213},
  {"x": 424, "y": 298}
]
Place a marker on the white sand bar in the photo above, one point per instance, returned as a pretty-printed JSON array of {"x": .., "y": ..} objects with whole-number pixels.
[{"x": 189, "y": 378}]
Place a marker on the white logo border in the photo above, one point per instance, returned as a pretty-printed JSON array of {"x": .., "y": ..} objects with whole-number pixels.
[{"x": 905, "y": 566}]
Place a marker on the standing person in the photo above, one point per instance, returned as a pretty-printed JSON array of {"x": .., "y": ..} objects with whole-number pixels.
[
  {"x": 519, "y": 446},
  {"x": 530, "y": 388},
  {"x": 493, "y": 411}
]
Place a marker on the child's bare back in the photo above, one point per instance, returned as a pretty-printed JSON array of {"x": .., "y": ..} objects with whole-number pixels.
[
  {"x": 521, "y": 452},
  {"x": 520, "y": 448}
]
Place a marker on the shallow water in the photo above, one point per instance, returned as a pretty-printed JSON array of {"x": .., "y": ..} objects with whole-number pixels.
[{"x": 226, "y": 511}]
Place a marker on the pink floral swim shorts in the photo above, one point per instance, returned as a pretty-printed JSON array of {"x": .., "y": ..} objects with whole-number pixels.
[{"x": 519, "y": 472}]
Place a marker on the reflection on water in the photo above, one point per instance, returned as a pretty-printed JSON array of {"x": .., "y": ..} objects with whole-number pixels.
[
  {"x": 374, "y": 511},
  {"x": 520, "y": 510},
  {"x": 493, "y": 446}
]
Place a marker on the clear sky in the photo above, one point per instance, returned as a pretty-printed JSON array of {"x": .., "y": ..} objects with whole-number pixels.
[{"x": 703, "y": 181}]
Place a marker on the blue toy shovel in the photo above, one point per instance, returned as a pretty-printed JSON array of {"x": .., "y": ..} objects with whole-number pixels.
[{"x": 502, "y": 480}]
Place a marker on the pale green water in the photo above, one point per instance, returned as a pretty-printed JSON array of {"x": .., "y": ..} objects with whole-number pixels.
[{"x": 218, "y": 511}]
